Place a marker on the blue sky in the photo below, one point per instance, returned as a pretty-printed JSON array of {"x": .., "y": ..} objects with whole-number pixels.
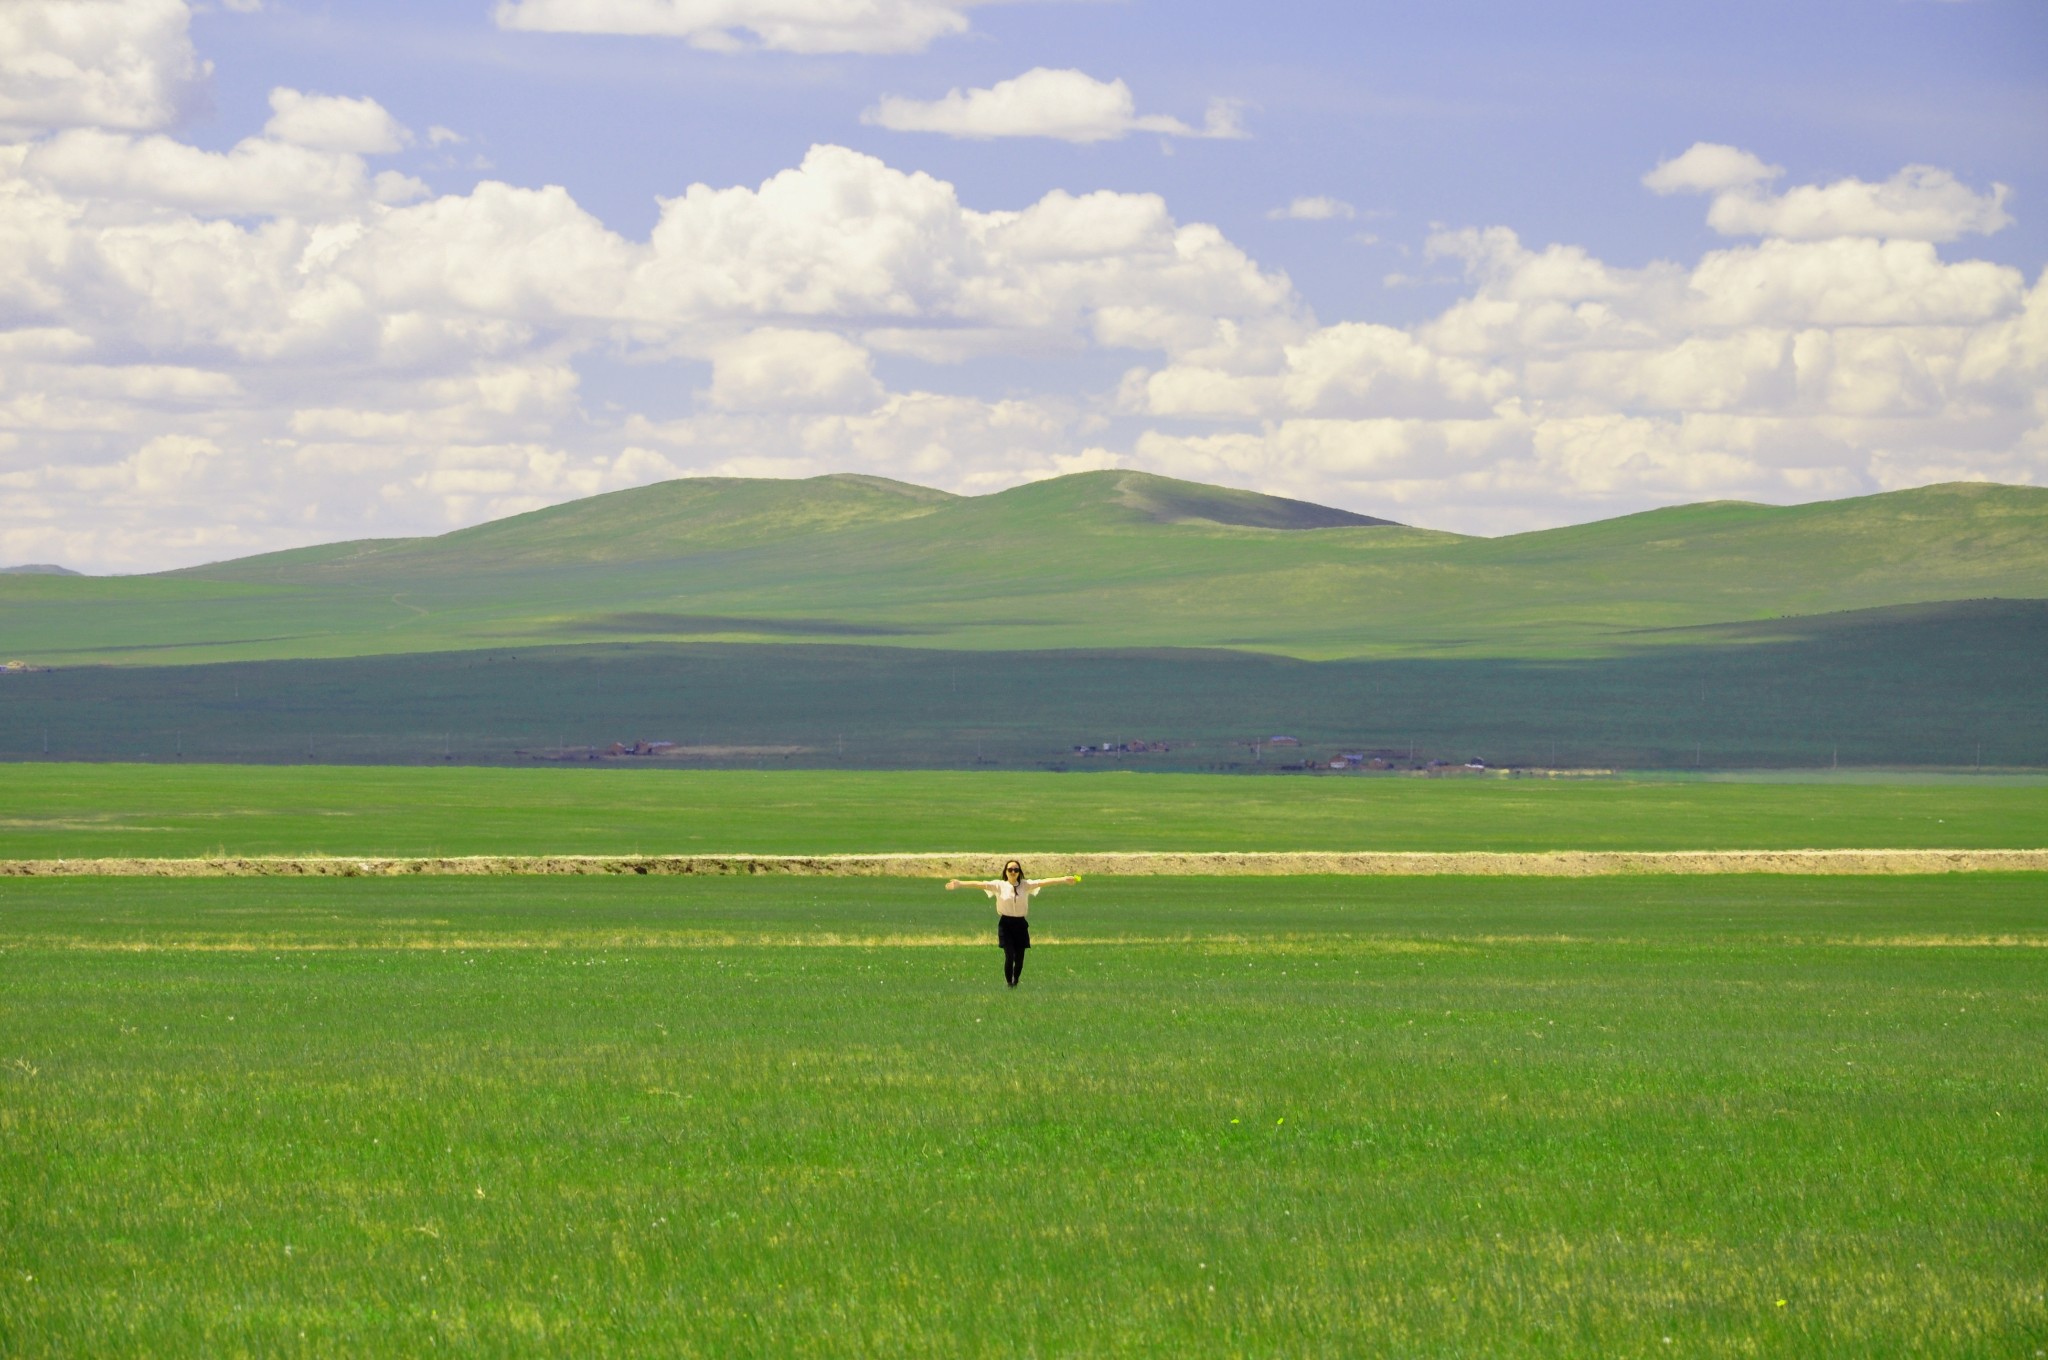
[
  {"x": 1490, "y": 322},
  {"x": 1539, "y": 116}
]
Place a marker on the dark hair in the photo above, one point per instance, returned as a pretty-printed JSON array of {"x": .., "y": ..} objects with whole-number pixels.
[{"x": 1012, "y": 864}]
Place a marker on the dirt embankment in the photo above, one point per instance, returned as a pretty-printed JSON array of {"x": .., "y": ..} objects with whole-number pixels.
[{"x": 1549, "y": 864}]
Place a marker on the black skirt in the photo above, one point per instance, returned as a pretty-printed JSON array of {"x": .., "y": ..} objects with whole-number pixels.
[{"x": 1013, "y": 932}]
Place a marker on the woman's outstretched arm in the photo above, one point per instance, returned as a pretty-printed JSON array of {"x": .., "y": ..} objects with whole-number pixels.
[{"x": 1048, "y": 882}]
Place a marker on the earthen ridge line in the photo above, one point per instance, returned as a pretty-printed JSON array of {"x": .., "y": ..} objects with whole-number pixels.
[{"x": 1555, "y": 863}]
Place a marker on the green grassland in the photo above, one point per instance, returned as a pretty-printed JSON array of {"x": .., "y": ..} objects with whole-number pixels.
[
  {"x": 1941, "y": 685},
  {"x": 53, "y": 811},
  {"x": 1297, "y": 1117},
  {"x": 1095, "y": 560}
]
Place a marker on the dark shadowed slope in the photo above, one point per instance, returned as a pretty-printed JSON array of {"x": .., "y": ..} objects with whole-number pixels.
[{"x": 1943, "y": 685}]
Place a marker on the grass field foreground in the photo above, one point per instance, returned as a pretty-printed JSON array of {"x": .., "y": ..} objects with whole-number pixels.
[{"x": 1302, "y": 1117}]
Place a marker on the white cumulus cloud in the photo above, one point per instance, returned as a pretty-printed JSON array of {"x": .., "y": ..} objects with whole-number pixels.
[
  {"x": 256, "y": 176},
  {"x": 1783, "y": 369},
  {"x": 872, "y": 26},
  {"x": 125, "y": 64},
  {"x": 1919, "y": 203},
  {"x": 1065, "y": 105},
  {"x": 1710, "y": 168},
  {"x": 334, "y": 123},
  {"x": 776, "y": 369},
  {"x": 1315, "y": 208}
]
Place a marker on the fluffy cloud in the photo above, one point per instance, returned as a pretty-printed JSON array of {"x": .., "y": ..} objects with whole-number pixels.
[
  {"x": 125, "y": 64},
  {"x": 128, "y": 228},
  {"x": 334, "y": 123},
  {"x": 168, "y": 463},
  {"x": 257, "y": 176},
  {"x": 963, "y": 442},
  {"x": 1314, "y": 209},
  {"x": 773, "y": 369},
  {"x": 845, "y": 238},
  {"x": 1710, "y": 168},
  {"x": 732, "y": 25},
  {"x": 1919, "y": 203},
  {"x": 359, "y": 367},
  {"x": 1065, "y": 105},
  {"x": 1818, "y": 361}
]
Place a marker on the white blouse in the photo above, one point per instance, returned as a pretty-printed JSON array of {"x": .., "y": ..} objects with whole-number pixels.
[{"x": 1012, "y": 899}]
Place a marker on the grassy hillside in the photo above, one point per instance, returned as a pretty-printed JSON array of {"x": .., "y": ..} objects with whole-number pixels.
[
  {"x": 1106, "y": 559},
  {"x": 659, "y": 523}
]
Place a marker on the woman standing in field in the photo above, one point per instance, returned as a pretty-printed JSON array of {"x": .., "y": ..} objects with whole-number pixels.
[{"x": 1012, "y": 893}]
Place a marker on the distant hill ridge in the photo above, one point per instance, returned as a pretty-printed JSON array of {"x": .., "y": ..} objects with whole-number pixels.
[
  {"x": 697, "y": 514},
  {"x": 1118, "y": 559},
  {"x": 694, "y": 514},
  {"x": 37, "y": 569}
]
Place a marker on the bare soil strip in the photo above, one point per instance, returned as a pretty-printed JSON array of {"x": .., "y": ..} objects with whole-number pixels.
[
  {"x": 1548, "y": 864},
  {"x": 587, "y": 942}
]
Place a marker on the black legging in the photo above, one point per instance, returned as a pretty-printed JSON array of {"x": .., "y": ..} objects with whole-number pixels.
[{"x": 1013, "y": 964}]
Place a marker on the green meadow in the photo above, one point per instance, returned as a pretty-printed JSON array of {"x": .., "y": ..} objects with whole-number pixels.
[
  {"x": 58, "y": 810},
  {"x": 1305, "y": 1117}
]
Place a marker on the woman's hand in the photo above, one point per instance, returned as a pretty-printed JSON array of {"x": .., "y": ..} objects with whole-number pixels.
[{"x": 952, "y": 884}]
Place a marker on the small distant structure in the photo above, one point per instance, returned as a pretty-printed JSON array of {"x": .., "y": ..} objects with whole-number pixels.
[
  {"x": 18, "y": 668},
  {"x": 1123, "y": 748},
  {"x": 1283, "y": 741},
  {"x": 1475, "y": 764},
  {"x": 638, "y": 748}
]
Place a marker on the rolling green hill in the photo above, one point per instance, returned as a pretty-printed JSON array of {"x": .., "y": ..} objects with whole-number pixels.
[{"x": 1094, "y": 560}]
